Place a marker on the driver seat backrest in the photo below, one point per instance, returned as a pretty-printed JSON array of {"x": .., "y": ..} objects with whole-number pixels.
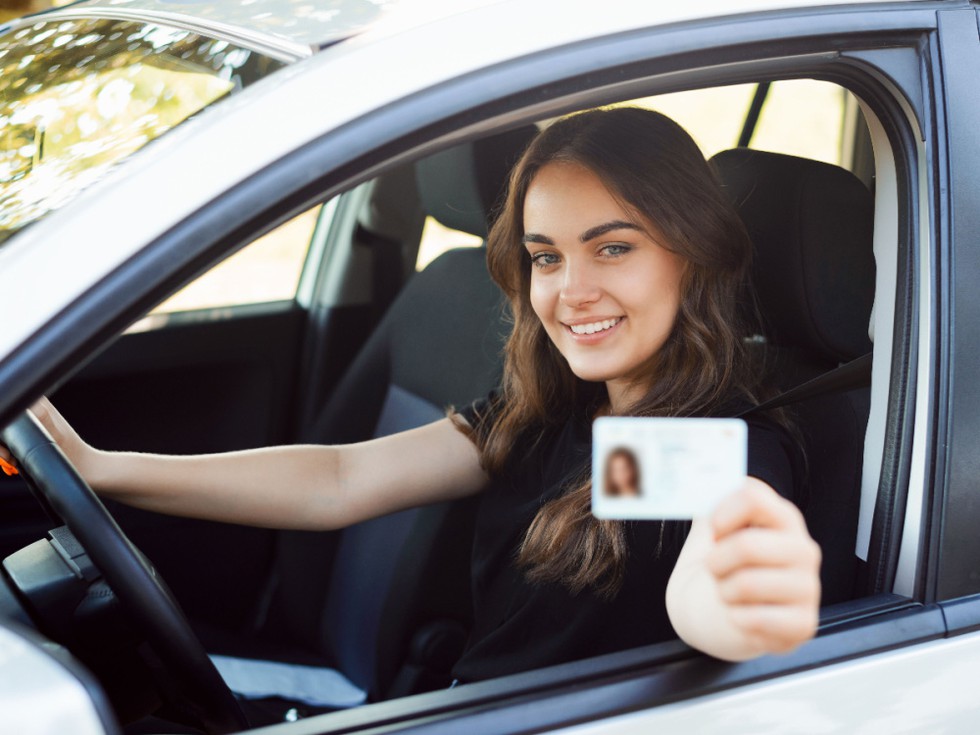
[
  {"x": 367, "y": 594},
  {"x": 813, "y": 270}
]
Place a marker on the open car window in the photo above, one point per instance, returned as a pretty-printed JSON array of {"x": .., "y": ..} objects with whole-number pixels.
[
  {"x": 266, "y": 271},
  {"x": 715, "y": 122}
]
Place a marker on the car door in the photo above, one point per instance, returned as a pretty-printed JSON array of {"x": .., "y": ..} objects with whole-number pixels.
[{"x": 900, "y": 60}]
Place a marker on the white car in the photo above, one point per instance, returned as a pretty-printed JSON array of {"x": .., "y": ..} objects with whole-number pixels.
[{"x": 342, "y": 145}]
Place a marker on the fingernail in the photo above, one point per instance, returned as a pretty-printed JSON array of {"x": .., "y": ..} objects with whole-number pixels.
[{"x": 8, "y": 469}]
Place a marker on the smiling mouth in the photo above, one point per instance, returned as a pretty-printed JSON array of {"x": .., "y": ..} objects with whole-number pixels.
[{"x": 594, "y": 327}]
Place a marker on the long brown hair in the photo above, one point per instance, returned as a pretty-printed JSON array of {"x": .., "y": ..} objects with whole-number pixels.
[{"x": 654, "y": 168}]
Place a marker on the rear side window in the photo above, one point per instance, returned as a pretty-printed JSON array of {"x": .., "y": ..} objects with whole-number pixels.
[
  {"x": 78, "y": 95},
  {"x": 799, "y": 117},
  {"x": 267, "y": 270}
]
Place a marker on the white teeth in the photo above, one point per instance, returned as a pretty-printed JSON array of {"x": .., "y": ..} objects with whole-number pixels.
[{"x": 594, "y": 326}]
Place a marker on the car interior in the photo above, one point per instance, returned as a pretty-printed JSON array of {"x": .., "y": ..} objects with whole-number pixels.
[{"x": 370, "y": 346}]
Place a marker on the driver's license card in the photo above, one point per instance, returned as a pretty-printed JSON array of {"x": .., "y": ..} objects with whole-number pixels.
[{"x": 665, "y": 468}]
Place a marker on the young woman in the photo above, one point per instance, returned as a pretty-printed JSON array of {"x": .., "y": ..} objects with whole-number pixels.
[
  {"x": 625, "y": 267},
  {"x": 622, "y": 475}
]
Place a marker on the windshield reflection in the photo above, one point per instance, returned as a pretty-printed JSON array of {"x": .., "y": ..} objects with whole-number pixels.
[
  {"x": 310, "y": 22},
  {"x": 78, "y": 95}
]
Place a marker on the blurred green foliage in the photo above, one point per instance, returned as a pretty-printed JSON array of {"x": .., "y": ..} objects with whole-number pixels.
[{"x": 78, "y": 95}]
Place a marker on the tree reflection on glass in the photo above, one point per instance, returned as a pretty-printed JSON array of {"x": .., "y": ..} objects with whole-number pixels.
[{"x": 78, "y": 95}]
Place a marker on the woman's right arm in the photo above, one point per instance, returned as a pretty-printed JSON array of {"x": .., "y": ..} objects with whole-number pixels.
[{"x": 299, "y": 487}]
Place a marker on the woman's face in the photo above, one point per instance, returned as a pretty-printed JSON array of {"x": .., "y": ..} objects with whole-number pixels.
[
  {"x": 622, "y": 474},
  {"x": 605, "y": 291}
]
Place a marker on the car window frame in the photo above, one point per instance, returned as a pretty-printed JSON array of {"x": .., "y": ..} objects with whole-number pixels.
[
  {"x": 952, "y": 551},
  {"x": 619, "y": 682}
]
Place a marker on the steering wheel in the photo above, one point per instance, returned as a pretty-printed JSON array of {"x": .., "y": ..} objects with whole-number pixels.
[{"x": 196, "y": 683}]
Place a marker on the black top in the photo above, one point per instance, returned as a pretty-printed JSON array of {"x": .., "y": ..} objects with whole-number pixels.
[{"x": 519, "y": 626}]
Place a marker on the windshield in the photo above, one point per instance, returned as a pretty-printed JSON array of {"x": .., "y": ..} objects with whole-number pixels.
[{"x": 76, "y": 96}]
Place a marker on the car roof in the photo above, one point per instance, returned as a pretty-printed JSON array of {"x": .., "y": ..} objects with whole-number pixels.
[
  {"x": 302, "y": 27},
  {"x": 299, "y": 26}
]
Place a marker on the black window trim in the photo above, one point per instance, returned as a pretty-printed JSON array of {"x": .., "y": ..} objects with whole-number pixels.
[{"x": 954, "y": 552}]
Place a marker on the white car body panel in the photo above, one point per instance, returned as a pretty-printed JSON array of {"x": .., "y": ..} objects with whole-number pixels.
[
  {"x": 39, "y": 696},
  {"x": 929, "y": 687}
]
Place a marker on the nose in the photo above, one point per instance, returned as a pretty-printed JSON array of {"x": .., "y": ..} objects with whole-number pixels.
[{"x": 579, "y": 287}]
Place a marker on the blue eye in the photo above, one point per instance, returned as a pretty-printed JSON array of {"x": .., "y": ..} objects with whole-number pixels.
[
  {"x": 615, "y": 250},
  {"x": 543, "y": 260}
]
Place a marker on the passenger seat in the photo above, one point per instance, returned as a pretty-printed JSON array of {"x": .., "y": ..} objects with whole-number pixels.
[{"x": 812, "y": 226}]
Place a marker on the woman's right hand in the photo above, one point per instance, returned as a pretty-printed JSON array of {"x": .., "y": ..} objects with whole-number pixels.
[
  {"x": 320, "y": 487},
  {"x": 77, "y": 451}
]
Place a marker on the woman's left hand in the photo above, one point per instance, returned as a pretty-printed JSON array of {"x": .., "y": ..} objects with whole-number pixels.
[{"x": 748, "y": 580}]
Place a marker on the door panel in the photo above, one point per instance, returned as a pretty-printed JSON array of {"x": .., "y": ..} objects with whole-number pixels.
[
  {"x": 923, "y": 688},
  {"x": 193, "y": 386}
]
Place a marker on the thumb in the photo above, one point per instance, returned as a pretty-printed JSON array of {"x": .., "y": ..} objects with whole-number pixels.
[{"x": 756, "y": 504}]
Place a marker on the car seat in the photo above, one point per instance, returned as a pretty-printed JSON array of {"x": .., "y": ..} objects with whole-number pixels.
[
  {"x": 812, "y": 226},
  {"x": 386, "y": 603}
]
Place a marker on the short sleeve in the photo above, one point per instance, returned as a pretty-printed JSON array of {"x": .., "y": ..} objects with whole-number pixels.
[
  {"x": 481, "y": 414},
  {"x": 773, "y": 457}
]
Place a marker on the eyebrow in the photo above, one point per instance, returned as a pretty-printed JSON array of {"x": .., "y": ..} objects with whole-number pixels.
[
  {"x": 590, "y": 234},
  {"x": 599, "y": 230}
]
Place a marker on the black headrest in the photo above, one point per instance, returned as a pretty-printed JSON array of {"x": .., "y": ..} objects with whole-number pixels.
[
  {"x": 461, "y": 185},
  {"x": 813, "y": 268}
]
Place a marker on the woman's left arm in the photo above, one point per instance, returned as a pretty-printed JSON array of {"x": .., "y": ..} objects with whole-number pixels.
[{"x": 747, "y": 581}]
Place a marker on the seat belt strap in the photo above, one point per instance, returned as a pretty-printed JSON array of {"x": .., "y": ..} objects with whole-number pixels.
[{"x": 850, "y": 375}]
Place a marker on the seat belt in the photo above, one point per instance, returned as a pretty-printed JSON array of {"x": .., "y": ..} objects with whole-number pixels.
[{"x": 850, "y": 375}]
